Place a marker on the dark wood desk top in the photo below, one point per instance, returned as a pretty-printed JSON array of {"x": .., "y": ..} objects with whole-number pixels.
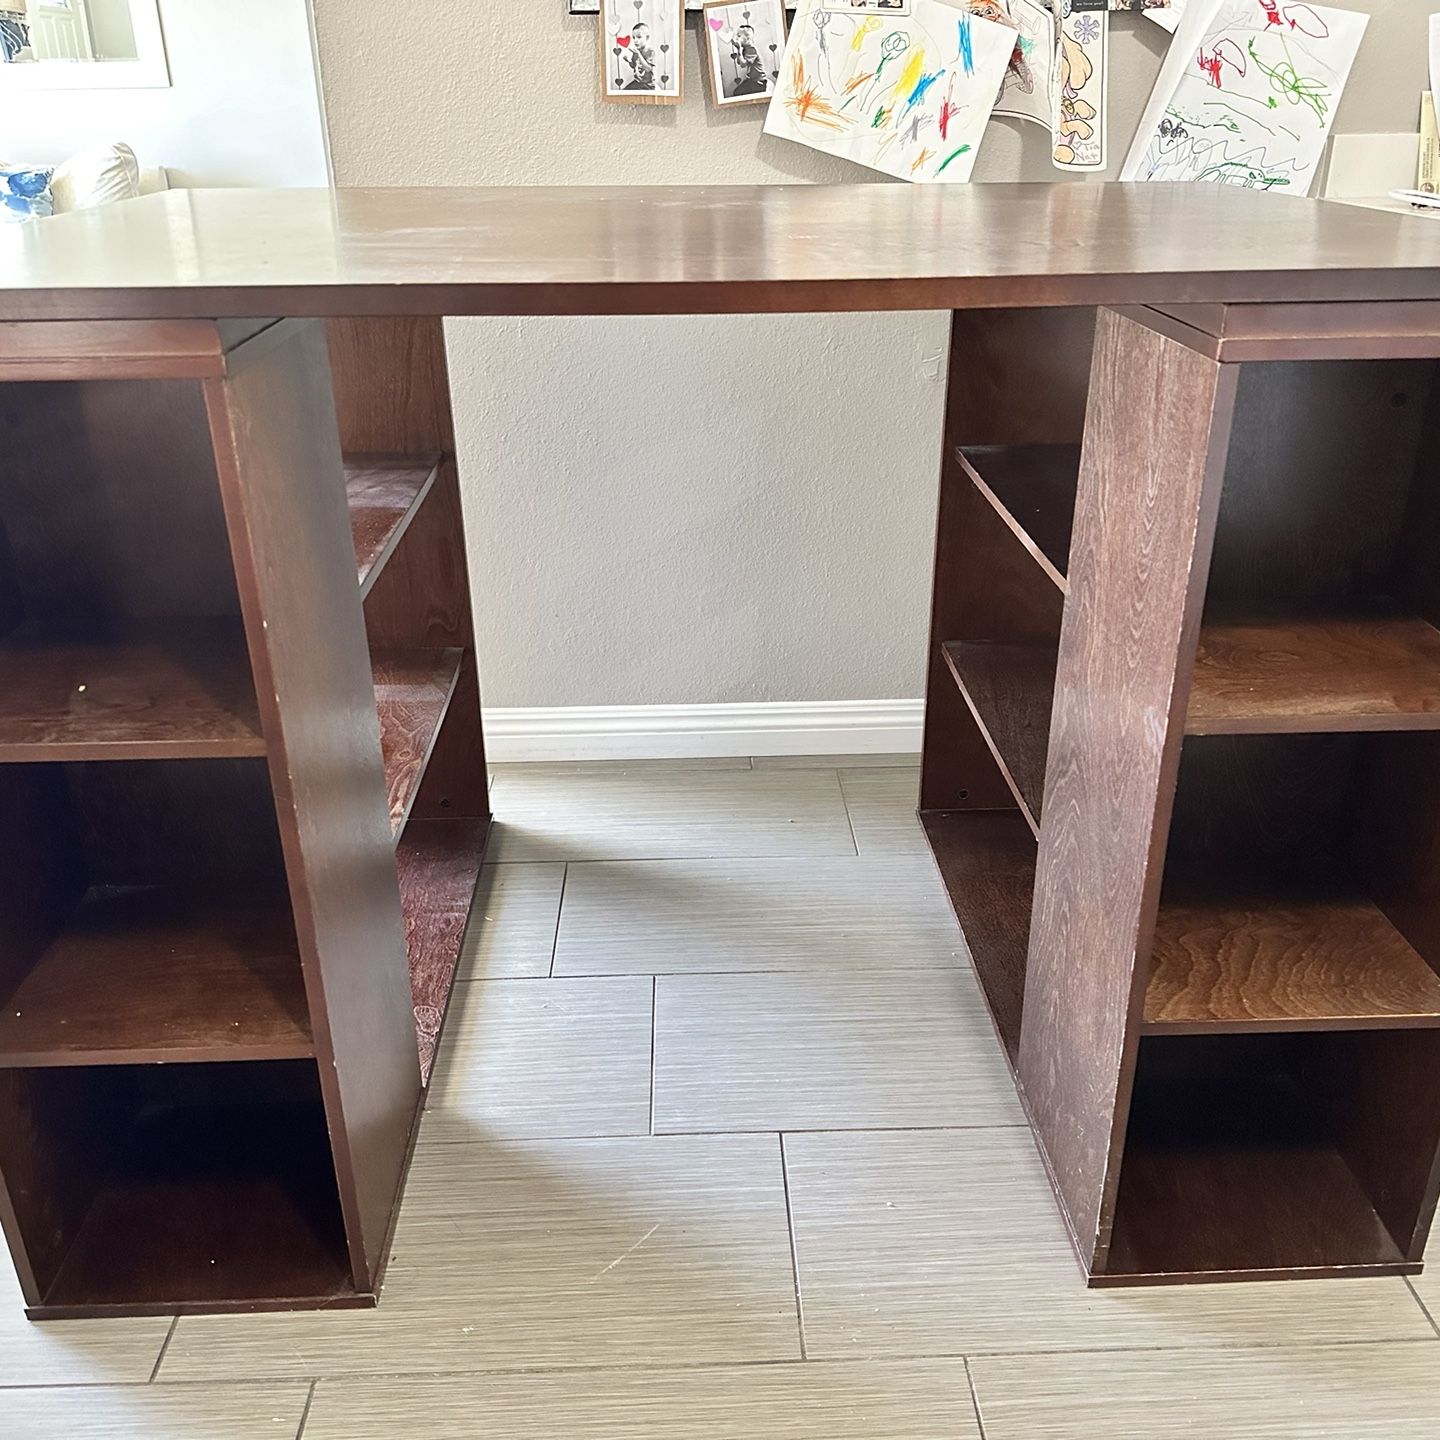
[{"x": 703, "y": 249}]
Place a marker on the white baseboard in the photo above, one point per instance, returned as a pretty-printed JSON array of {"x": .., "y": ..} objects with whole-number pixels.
[{"x": 663, "y": 732}]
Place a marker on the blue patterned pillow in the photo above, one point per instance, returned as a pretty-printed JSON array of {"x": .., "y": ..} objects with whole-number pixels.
[{"x": 24, "y": 193}]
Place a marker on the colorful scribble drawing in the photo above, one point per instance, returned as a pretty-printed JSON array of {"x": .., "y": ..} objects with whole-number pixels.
[
  {"x": 1026, "y": 92},
  {"x": 907, "y": 94},
  {"x": 1247, "y": 95}
]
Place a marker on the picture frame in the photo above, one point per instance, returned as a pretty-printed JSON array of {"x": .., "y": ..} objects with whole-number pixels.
[
  {"x": 642, "y": 52},
  {"x": 736, "y": 63}
]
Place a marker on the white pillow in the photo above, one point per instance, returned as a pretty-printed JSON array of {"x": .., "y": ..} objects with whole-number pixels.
[{"x": 96, "y": 177}]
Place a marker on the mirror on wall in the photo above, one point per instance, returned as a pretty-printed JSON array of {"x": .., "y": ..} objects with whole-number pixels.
[{"x": 81, "y": 44}]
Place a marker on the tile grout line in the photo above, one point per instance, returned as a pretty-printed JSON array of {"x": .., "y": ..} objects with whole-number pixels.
[
  {"x": 305, "y": 1413},
  {"x": 654, "y": 1007},
  {"x": 974, "y": 1398},
  {"x": 1424, "y": 1308},
  {"x": 164, "y": 1348},
  {"x": 813, "y": 1361},
  {"x": 559, "y": 917},
  {"x": 794, "y": 1251}
]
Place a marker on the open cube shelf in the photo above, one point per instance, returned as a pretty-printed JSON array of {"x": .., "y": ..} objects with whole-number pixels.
[
  {"x": 243, "y": 807},
  {"x": 1224, "y": 946}
]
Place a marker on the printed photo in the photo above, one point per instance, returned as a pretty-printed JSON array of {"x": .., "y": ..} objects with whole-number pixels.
[
  {"x": 744, "y": 40},
  {"x": 876, "y": 7},
  {"x": 642, "y": 51}
]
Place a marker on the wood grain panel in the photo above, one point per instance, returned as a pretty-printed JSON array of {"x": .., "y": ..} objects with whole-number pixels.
[
  {"x": 1316, "y": 674},
  {"x": 412, "y": 692},
  {"x": 546, "y": 250},
  {"x": 987, "y": 862},
  {"x": 283, "y": 483},
  {"x": 1032, "y": 488},
  {"x": 162, "y": 690},
  {"x": 88, "y": 350},
  {"x": 1150, "y": 472},
  {"x": 383, "y": 494}
]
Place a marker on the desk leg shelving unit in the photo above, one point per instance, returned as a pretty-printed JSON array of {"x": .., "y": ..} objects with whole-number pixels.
[
  {"x": 242, "y": 778},
  {"x": 1182, "y": 770}
]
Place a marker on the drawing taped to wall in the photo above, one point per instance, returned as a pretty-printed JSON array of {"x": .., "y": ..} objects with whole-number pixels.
[
  {"x": 1080, "y": 104},
  {"x": 642, "y": 51},
  {"x": 907, "y": 95},
  {"x": 743, "y": 43},
  {"x": 1026, "y": 93},
  {"x": 1247, "y": 94}
]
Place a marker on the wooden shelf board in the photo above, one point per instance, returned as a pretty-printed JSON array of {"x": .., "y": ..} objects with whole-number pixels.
[
  {"x": 211, "y": 1206},
  {"x": 1236, "y": 1179},
  {"x": 439, "y": 864},
  {"x": 1010, "y": 691},
  {"x": 165, "y": 690},
  {"x": 1032, "y": 487},
  {"x": 986, "y": 859},
  {"x": 1285, "y": 962},
  {"x": 149, "y": 975},
  {"x": 1316, "y": 675},
  {"x": 384, "y": 493},
  {"x": 412, "y": 693}
]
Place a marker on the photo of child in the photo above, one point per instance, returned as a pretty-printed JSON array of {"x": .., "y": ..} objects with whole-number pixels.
[
  {"x": 744, "y": 41},
  {"x": 642, "y": 51}
]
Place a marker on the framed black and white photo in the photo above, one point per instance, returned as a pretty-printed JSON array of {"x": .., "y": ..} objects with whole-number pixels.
[
  {"x": 642, "y": 51},
  {"x": 742, "y": 42}
]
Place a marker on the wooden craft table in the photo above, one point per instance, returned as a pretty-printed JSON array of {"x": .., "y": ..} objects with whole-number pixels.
[{"x": 1182, "y": 739}]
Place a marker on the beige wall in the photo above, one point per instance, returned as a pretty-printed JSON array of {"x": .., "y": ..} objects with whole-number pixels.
[{"x": 694, "y": 509}]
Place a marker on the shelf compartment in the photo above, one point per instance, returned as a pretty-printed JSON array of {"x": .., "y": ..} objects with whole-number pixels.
[
  {"x": 1316, "y": 674},
  {"x": 184, "y": 1188},
  {"x": 1240, "y": 1165},
  {"x": 1032, "y": 488},
  {"x": 150, "y": 974},
  {"x": 986, "y": 860},
  {"x": 384, "y": 493},
  {"x": 1307, "y": 959},
  {"x": 162, "y": 690},
  {"x": 413, "y": 690},
  {"x": 439, "y": 863},
  {"x": 1010, "y": 690}
]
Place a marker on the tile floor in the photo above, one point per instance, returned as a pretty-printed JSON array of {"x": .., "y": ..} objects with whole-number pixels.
[{"x": 720, "y": 1145}]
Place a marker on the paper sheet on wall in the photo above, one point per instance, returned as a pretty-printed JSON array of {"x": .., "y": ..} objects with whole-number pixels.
[
  {"x": 907, "y": 95},
  {"x": 1080, "y": 103},
  {"x": 1169, "y": 17},
  {"x": 1247, "y": 94},
  {"x": 1026, "y": 93}
]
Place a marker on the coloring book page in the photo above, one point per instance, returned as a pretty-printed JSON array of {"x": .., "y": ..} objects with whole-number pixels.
[
  {"x": 1080, "y": 112},
  {"x": 1026, "y": 93},
  {"x": 909, "y": 96},
  {"x": 1247, "y": 94}
]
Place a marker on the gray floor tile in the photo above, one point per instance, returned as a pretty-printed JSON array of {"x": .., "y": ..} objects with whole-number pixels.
[
  {"x": 822, "y": 915},
  {"x": 882, "y": 810},
  {"x": 668, "y": 1250},
  {"x": 512, "y": 925},
  {"x": 788, "y": 1052},
  {"x": 916, "y": 1400},
  {"x": 950, "y": 1243},
  {"x": 71, "y": 1352},
  {"x": 905, "y": 761},
  {"x": 660, "y": 815},
  {"x": 1340, "y": 1392},
  {"x": 153, "y": 1412},
  {"x": 534, "y": 1058},
  {"x": 1427, "y": 1284}
]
